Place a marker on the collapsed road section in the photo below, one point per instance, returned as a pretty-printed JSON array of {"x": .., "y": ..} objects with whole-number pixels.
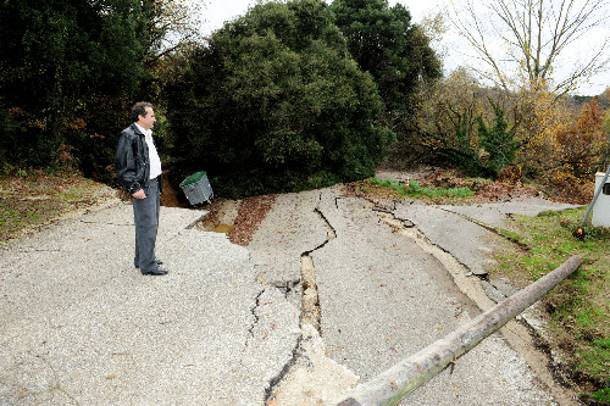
[
  {"x": 381, "y": 297},
  {"x": 310, "y": 310},
  {"x": 311, "y": 377}
]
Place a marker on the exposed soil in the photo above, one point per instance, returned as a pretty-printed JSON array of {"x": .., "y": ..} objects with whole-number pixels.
[
  {"x": 170, "y": 196},
  {"x": 239, "y": 219},
  {"x": 212, "y": 219},
  {"x": 252, "y": 211},
  {"x": 38, "y": 198}
]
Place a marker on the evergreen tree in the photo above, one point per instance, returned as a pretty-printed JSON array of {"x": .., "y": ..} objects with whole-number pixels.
[
  {"x": 498, "y": 141},
  {"x": 386, "y": 43},
  {"x": 69, "y": 70},
  {"x": 275, "y": 102}
]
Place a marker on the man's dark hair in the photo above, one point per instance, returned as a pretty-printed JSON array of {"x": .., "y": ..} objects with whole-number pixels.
[{"x": 139, "y": 109}]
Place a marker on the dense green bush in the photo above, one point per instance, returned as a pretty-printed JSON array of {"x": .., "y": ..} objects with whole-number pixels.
[
  {"x": 486, "y": 154},
  {"x": 275, "y": 102},
  {"x": 69, "y": 71},
  {"x": 385, "y": 42},
  {"x": 498, "y": 142}
]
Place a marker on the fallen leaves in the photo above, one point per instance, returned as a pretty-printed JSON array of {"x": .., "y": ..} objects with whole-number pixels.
[{"x": 252, "y": 211}]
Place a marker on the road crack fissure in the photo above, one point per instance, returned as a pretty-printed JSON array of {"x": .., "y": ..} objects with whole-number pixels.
[
  {"x": 273, "y": 382},
  {"x": 34, "y": 250},
  {"x": 421, "y": 236},
  {"x": 330, "y": 237},
  {"x": 310, "y": 301},
  {"x": 558, "y": 371},
  {"x": 489, "y": 228},
  {"x": 107, "y": 223},
  {"x": 286, "y": 287},
  {"x": 253, "y": 310}
]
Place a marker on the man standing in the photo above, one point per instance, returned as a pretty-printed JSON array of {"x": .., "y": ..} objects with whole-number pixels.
[{"x": 139, "y": 171}]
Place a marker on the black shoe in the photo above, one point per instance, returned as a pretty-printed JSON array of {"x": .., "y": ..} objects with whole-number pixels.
[
  {"x": 157, "y": 261},
  {"x": 159, "y": 270}
]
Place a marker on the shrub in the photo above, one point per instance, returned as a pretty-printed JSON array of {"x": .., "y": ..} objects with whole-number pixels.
[
  {"x": 69, "y": 72},
  {"x": 498, "y": 142},
  {"x": 276, "y": 103}
]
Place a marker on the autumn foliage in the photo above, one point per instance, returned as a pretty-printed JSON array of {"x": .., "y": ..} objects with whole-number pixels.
[
  {"x": 559, "y": 142},
  {"x": 581, "y": 148}
]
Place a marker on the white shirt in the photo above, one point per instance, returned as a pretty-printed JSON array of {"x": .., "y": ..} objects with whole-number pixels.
[{"x": 153, "y": 156}]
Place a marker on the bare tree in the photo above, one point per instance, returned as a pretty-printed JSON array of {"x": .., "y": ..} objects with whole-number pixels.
[
  {"x": 532, "y": 34},
  {"x": 173, "y": 24}
]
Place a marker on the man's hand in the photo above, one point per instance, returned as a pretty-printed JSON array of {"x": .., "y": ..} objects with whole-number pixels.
[{"x": 139, "y": 194}]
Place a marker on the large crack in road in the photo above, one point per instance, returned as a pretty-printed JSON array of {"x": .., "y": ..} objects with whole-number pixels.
[
  {"x": 310, "y": 304},
  {"x": 308, "y": 374},
  {"x": 520, "y": 335},
  {"x": 309, "y": 366}
]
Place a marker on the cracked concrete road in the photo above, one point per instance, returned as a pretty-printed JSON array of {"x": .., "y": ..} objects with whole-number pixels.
[
  {"x": 382, "y": 298},
  {"x": 326, "y": 294},
  {"x": 403, "y": 301},
  {"x": 500, "y": 214},
  {"x": 82, "y": 326}
]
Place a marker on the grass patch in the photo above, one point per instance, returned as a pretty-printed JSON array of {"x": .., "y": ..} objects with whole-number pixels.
[
  {"x": 513, "y": 236},
  {"x": 74, "y": 194},
  {"x": 34, "y": 197},
  {"x": 579, "y": 308},
  {"x": 595, "y": 360},
  {"x": 415, "y": 190},
  {"x": 602, "y": 395}
]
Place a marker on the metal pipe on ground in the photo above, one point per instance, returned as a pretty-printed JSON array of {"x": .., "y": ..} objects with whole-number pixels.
[{"x": 391, "y": 386}]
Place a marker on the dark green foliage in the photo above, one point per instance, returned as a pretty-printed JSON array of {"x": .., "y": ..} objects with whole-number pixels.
[
  {"x": 498, "y": 141},
  {"x": 396, "y": 52},
  {"x": 275, "y": 103},
  {"x": 461, "y": 149},
  {"x": 69, "y": 70},
  {"x": 485, "y": 155},
  {"x": 465, "y": 156}
]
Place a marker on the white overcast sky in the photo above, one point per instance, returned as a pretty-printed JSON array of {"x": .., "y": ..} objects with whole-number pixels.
[{"x": 216, "y": 12}]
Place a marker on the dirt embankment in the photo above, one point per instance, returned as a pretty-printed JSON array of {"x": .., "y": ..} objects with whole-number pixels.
[{"x": 36, "y": 198}]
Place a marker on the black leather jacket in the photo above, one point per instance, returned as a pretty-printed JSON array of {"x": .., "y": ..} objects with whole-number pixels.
[{"x": 132, "y": 160}]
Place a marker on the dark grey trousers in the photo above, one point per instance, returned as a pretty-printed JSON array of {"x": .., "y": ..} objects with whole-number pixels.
[{"x": 146, "y": 219}]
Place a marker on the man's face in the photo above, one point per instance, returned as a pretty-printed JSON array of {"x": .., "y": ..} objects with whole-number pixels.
[{"x": 147, "y": 121}]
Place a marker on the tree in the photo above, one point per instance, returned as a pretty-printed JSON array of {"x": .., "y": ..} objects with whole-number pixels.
[
  {"x": 69, "y": 70},
  {"x": 520, "y": 41},
  {"x": 463, "y": 124},
  {"x": 169, "y": 26},
  {"x": 581, "y": 147},
  {"x": 446, "y": 121},
  {"x": 498, "y": 141},
  {"x": 385, "y": 42},
  {"x": 606, "y": 124},
  {"x": 275, "y": 102}
]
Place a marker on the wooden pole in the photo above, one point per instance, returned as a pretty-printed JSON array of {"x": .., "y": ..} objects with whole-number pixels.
[{"x": 391, "y": 386}]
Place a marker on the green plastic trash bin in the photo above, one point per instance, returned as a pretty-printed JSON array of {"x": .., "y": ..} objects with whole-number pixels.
[{"x": 197, "y": 188}]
